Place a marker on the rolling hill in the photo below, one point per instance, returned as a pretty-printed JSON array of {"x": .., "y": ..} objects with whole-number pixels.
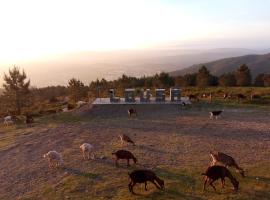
[
  {"x": 257, "y": 64},
  {"x": 88, "y": 66}
]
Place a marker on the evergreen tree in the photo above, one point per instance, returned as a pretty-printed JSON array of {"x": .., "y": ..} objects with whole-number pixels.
[
  {"x": 203, "y": 77},
  {"x": 259, "y": 80},
  {"x": 243, "y": 76},
  {"x": 227, "y": 80},
  {"x": 190, "y": 79},
  {"x": 266, "y": 80},
  {"x": 16, "y": 87},
  {"x": 77, "y": 89}
]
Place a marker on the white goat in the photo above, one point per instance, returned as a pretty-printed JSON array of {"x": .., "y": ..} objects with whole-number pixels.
[
  {"x": 81, "y": 103},
  {"x": 8, "y": 120},
  {"x": 54, "y": 158},
  {"x": 86, "y": 149}
]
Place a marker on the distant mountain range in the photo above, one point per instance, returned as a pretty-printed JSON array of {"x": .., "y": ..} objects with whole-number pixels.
[
  {"x": 256, "y": 63},
  {"x": 88, "y": 66}
]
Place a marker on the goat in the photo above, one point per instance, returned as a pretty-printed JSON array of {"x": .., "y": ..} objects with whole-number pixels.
[
  {"x": 240, "y": 97},
  {"x": 87, "y": 148},
  {"x": 125, "y": 138},
  {"x": 191, "y": 96},
  {"x": 54, "y": 157},
  {"x": 131, "y": 112},
  {"x": 227, "y": 160},
  {"x": 142, "y": 176},
  {"x": 215, "y": 114},
  {"x": 123, "y": 154},
  {"x": 8, "y": 120},
  {"x": 29, "y": 119},
  {"x": 80, "y": 103},
  {"x": 254, "y": 96},
  {"x": 214, "y": 173}
]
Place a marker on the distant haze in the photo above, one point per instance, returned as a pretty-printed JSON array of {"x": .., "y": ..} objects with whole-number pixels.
[{"x": 88, "y": 66}]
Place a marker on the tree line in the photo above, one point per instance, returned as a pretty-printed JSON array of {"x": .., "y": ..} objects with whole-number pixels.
[{"x": 18, "y": 93}]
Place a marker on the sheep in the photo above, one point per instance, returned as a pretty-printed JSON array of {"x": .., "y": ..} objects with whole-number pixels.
[
  {"x": 87, "y": 148},
  {"x": 215, "y": 114},
  {"x": 8, "y": 120},
  {"x": 214, "y": 173},
  {"x": 227, "y": 160},
  {"x": 54, "y": 158},
  {"x": 142, "y": 176},
  {"x": 131, "y": 112},
  {"x": 123, "y": 154},
  {"x": 125, "y": 138}
]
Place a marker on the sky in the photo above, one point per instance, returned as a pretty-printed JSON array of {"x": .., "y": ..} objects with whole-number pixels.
[
  {"x": 36, "y": 28},
  {"x": 35, "y": 31}
]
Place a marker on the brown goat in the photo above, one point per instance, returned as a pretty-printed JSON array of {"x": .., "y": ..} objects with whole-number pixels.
[
  {"x": 29, "y": 119},
  {"x": 123, "y": 154},
  {"x": 226, "y": 160},
  {"x": 125, "y": 138},
  {"x": 240, "y": 97},
  {"x": 214, "y": 173},
  {"x": 142, "y": 176},
  {"x": 131, "y": 112},
  {"x": 194, "y": 97}
]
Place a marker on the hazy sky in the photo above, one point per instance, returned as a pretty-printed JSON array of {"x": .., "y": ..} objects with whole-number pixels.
[{"x": 34, "y": 28}]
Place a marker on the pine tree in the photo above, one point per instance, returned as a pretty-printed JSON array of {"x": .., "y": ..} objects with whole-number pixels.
[
  {"x": 77, "y": 89},
  {"x": 203, "y": 78},
  {"x": 16, "y": 87},
  {"x": 243, "y": 76},
  {"x": 227, "y": 80},
  {"x": 259, "y": 80}
]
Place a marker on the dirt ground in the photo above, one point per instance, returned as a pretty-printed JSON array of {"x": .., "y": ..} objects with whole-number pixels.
[{"x": 166, "y": 137}]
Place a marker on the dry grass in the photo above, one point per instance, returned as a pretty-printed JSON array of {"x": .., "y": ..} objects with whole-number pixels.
[{"x": 173, "y": 141}]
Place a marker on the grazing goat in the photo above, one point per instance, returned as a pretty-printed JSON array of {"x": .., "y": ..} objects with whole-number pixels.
[
  {"x": 226, "y": 160},
  {"x": 215, "y": 114},
  {"x": 86, "y": 149},
  {"x": 194, "y": 97},
  {"x": 214, "y": 173},
  {"x": 142, "y": 176},
  {"x": 54, "y": 158},
  {"x": 240, "y": 97},
  {"x": 254, "y": 96},
  {"x": 80, "y": 103},
  {"x": 8, "y": 120},
  {"x": 29, "y": 119},
  {"x": 131, "y": 112},
  {"x": 123, "y": 154},
  {"x": 125, "y": 138}
]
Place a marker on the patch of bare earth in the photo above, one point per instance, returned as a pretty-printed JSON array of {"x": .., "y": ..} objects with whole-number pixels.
[{"x": 173, "y": 137}]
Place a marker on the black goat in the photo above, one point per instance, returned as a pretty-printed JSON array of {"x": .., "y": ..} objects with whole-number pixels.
[{"x": 142, "y": 176}]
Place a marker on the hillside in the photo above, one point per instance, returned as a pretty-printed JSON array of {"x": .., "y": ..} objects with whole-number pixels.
[
  {"x": 257, "y": 64},
  {"x": 88, "y": 66}
]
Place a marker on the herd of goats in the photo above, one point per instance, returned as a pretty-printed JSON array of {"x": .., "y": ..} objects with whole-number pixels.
[{"x": 212, "y": 174}]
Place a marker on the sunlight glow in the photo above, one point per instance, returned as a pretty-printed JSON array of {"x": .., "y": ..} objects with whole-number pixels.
[{"x": 34, "y": 28}]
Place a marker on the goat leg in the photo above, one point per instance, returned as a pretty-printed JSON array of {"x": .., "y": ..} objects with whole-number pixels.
[
  {"x": 155, "y": 184},
  {"x": 211, "y": 183}
]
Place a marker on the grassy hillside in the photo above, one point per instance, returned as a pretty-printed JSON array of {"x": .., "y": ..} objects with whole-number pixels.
[{"x": 256, "y": 63}]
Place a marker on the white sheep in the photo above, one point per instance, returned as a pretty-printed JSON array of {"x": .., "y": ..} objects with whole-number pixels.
[
  {"x": 8, "y": 120},
  {"x": 86, "y": 149},
  {"x": 54, "y": 158}
]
